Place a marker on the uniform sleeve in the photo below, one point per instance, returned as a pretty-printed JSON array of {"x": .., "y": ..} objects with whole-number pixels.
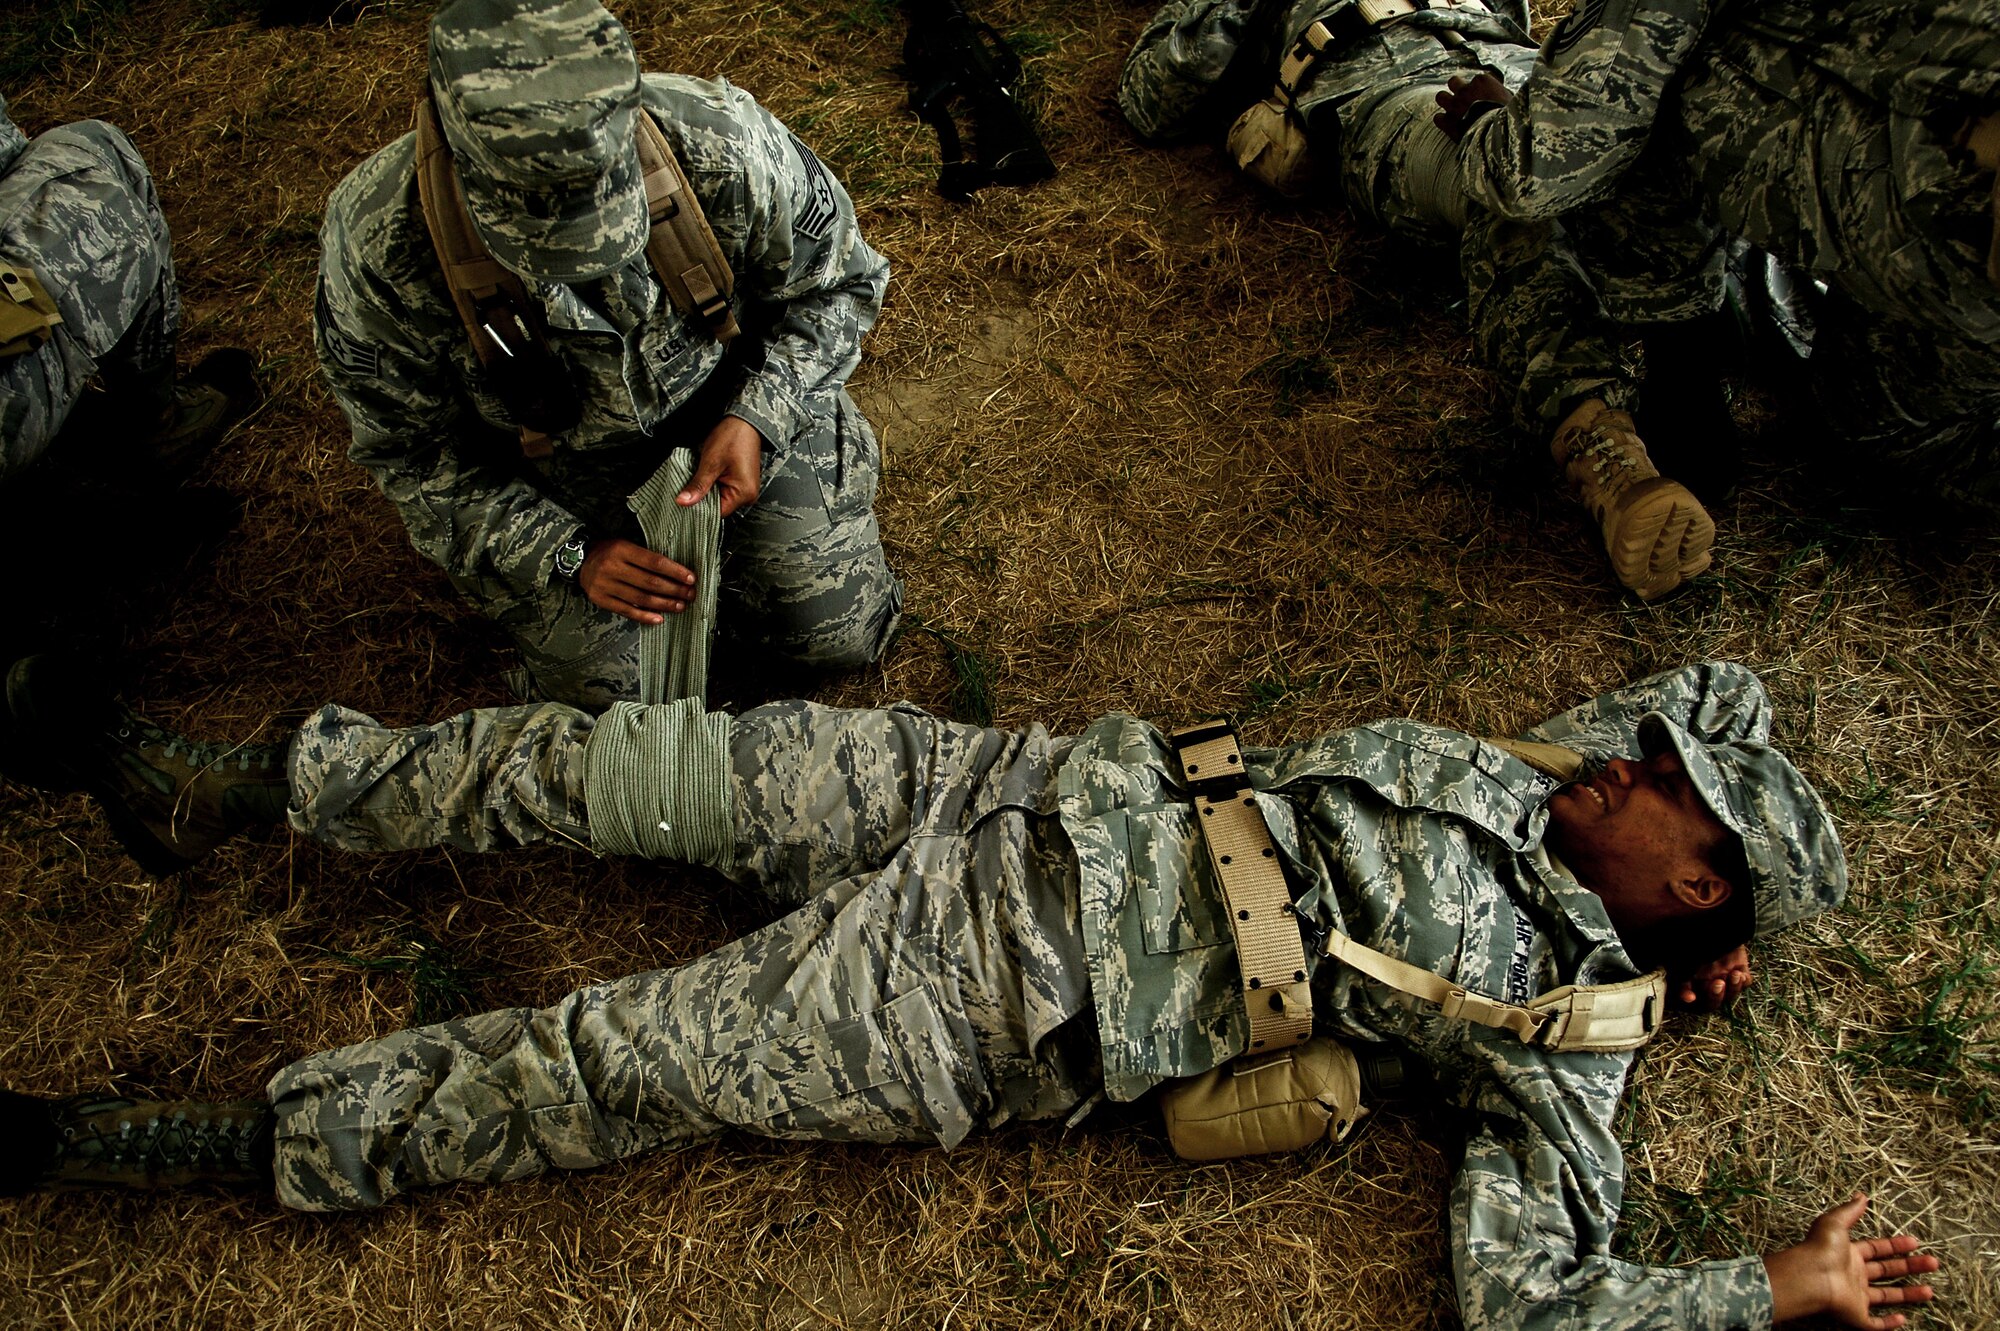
[
  {"x": 1189, "y": 58},
  {"x": 804, "y": 260},
  {"x": 384, "y": 335},
  {"x": 1536, "y": 1202},
  {"x": 1717, "y": 701},
  {"x": 1586, "y": 111}
]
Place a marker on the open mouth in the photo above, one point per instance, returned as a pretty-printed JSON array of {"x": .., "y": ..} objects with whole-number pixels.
[{"x": 1590, "y": 789}]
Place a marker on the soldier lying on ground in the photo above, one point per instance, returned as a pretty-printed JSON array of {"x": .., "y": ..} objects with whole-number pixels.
[
  {"x": 1554, "y": 301},
  {"x": 515, "y": 477},
  {"x": 991, "y": 926},
  {"x": 87, "y": 302}
]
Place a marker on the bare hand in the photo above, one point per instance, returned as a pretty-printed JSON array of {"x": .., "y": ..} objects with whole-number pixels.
[
  {"x": 628, "y": 579},
  {"x": 1831, "y": 1273},
  {"x": 732, "y": 457},
  {"x": 1465, "y": 100},
  {"x": 1716, "y": 984}
]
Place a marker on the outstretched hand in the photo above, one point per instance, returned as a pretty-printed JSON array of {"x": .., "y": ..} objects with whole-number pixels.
[
  {"x": 1834, "y": 1274},
  {"x": 1465, "y": 100},
  {"x": 1716, "y": 984}
]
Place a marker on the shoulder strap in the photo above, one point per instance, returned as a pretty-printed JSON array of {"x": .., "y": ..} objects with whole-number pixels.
[
  {"x": 492, "y": 302},
  {"x": 1577, "y": 1018},
  {"x": 681, "y": 246}
]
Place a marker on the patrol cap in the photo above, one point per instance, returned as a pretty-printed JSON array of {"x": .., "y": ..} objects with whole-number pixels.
[
  {"x": 1797, "y": 868},
  {"x": 537, "y": 99}
]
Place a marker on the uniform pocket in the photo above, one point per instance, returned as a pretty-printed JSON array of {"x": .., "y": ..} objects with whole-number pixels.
[
  {"x": 897, "y": 1073},
  {"x": 1181, "y": 906}
]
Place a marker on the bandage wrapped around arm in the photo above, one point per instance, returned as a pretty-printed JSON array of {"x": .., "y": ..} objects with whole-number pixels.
[{"x": 1258, "y": 1106}]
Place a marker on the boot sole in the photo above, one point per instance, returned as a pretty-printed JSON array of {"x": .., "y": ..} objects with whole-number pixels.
[{"x": 1660, "y": 538}]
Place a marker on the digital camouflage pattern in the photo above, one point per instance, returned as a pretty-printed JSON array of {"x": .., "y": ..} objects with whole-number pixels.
[
  {"x": 920, "y": 987},
  {"x": 1367, "y": 106},
  {"x": 804, "y": 573},
  {"x": 1571, "y": 248},
  {"x": 77, "y": 207},
  {"x": 1821, "y": 133},
  {"x": 961, "y": 896},
  {"x": 537, "y": 99}
]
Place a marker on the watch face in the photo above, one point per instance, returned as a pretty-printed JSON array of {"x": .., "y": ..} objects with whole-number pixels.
[{"x": 569, "y": 558}]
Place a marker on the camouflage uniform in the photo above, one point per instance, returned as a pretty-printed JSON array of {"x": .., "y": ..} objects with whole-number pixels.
[
  {"x": 77, "y": 208},
  {"x": 1369, "y": 106},
  {"x": 963, "y": 897},
  {"x": 804, "y": 570},
  {"x": 1198, "y": 62},
  {"x": 1820, "y": 133}
]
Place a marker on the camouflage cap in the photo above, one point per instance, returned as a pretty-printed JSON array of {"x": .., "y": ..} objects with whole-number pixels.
[
  {"x": 1797, "y": 868},
  {"x": 537, "y": 99}
]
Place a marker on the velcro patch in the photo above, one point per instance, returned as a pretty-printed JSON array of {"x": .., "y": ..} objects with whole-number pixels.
[
  {"x": 1579, "y": 23},
  {"x": 817, "y": 218},
  {"x": 355, "y": 358}
]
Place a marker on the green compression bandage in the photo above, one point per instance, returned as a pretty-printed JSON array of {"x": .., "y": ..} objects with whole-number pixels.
[
  {"x": 673, "y": 656},
  {"x": 656, "y": 781}
]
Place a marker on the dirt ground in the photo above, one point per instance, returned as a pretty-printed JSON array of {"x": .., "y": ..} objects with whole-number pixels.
[{"x": 1155, "y": 443}]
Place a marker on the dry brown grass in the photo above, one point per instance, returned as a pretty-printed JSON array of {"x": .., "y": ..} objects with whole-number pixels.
[{"x": 1154, "y": 444}]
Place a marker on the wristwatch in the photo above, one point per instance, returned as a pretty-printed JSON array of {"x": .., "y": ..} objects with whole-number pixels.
[{"x": 569, "y": 558}]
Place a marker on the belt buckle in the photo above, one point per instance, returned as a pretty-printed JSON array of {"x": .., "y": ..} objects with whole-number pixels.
[{"x": 1378, "y": 12}]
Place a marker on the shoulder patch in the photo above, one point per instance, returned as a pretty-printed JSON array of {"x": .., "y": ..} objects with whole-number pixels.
[
  {"x": 817, "y": 218},
  {"x": 1579, "y": 23},
  {"x": 356, "y": 358}
]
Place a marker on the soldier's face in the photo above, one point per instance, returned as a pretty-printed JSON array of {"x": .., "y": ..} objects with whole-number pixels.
[{"x": 1634, "y": 830}]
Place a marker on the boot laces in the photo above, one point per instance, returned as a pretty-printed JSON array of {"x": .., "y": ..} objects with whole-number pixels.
[
  {"x": 1610, "y": 462},
  {"x": 167, "y": 745},
  {"x": 158, "y": 1139}
]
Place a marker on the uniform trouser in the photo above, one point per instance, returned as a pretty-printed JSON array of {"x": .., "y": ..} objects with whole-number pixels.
[
  {"x": 804, "y": 575},
  {"x": 78, "y": 208},
  {"x": 1553, "y": 303},
  {"x": 1548, "y": 301},
  {"x": 929, "y": 979},
  {"x": 1905, "y": 369}
]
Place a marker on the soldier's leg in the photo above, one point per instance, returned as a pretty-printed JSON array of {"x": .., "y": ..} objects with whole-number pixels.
[
  {"x": 571, "y": 651},
  {"x": 814, "y": 794},
  {"x": 940, "y": 994},
  {"x": 804, "y": 573},
  {"x": 1195, "y": 64},
  {"x": 1540, "y": 318},
  {"x": 82, "y": 214},
  {"x": 484, "y": 780}
]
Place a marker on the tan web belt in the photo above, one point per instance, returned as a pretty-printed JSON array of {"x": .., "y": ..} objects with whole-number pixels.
[
  {"x": 1269, "y": 949},
  {"x": 1577, "y": 1018}
]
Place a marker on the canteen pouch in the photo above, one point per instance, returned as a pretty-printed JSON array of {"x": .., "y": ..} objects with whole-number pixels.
[
  {"x": 1259, "y": 1106},
  {"x": 1268, "y": 144},
  {"x": 28, "y": 313}
]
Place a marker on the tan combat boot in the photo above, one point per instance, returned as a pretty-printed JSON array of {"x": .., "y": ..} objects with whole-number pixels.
[{"x": 1657, "y": 534}]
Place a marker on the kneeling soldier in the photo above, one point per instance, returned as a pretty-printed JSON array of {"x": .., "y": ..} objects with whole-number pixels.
[{"x": 527, "y": 304}]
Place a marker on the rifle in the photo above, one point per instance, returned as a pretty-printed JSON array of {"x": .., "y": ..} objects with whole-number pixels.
[{"x": 948, "y": 54}]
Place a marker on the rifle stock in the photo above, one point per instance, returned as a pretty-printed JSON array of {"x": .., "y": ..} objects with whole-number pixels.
[{"x": 946, "y": 55}]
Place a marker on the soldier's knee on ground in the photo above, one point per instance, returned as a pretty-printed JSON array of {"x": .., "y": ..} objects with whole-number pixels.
[{"x": 834, "y": 616}]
